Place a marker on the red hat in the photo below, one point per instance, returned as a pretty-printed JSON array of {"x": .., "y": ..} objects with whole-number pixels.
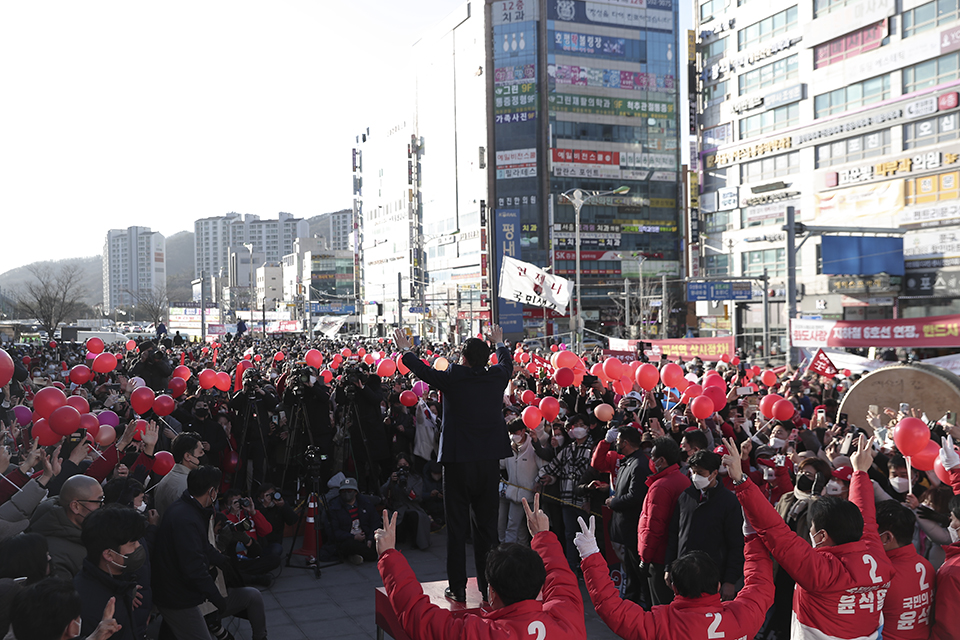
[
  {"x": 843, "y": 473},
  {"x": 720, "y": 450}
]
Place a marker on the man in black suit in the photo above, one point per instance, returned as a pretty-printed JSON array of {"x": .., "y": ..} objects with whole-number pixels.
[
  {"x": 473, "y": 441},
  {"x": 626, "y": 503}
]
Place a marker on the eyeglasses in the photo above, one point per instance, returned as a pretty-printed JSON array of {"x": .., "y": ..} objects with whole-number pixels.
[{"x": 99, "y": 500}]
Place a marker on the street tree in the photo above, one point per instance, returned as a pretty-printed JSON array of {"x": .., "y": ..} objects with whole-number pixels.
[
  {"x": 152, "y": 303},
  {"x": 53, "y": 295}
]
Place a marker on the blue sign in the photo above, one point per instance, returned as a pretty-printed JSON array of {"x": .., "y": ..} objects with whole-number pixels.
[
  {"x": 419, "y": 309},
  {"x": 701, "y": 291},
  {"x": 334, "y": 308},
  {"x": 507, "y": 238}
]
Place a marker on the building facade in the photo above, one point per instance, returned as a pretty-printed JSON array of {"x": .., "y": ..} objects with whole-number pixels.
[
  {"x": 214, "y": 238},
  {"x": 134, "y": 264},
  {"x": 848, "y": 113},
  {"x": 336, "y": 229}
]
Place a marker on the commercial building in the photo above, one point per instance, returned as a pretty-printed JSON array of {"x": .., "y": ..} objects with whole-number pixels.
[
  {"x": 517, "y": 103},
  {"x": 848, "y": 113},
  {"x": 134, "y": 265},
  {"x": 214, "y": 238}
]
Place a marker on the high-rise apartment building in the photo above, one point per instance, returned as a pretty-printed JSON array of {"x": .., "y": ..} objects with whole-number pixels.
[
  {"x": 336, "y": 229},
  {"x": 846, "y": 111},
  {"x": 134, "y": 264},
  {"x": 215, "y": 236}
]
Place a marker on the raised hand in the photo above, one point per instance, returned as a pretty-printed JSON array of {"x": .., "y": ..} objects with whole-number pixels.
[
  {"x": 386, "y": 537},
  {"x": 537, "y": 520},
  {"x": 108, "y": 624},
  {"x": 733, "y": 459},
  {"x": 496, "y": 334},
  {"x": 401, "y": 340},
  {"x": 586, "y": 539},
  {"x": 862, "y": 460},
  {"x": 949, "y": 457}
]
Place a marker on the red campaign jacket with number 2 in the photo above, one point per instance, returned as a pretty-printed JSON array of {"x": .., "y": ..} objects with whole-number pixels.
[
  {"x": 558, "y": 617},
  {"x": 687, "y": 618},
  {"x": 841, "y": 589}
]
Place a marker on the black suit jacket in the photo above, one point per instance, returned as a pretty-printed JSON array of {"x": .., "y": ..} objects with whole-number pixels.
[
  {"x": 473, "y": 425},
  {"x": 627, "y": 502}
]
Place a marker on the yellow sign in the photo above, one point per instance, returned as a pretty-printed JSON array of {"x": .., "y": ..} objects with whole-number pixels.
[
  {"x": 723, "y": 158},
  {"x": 693, "y": 187},
  {"x": 691, "y": 46},
  {"x": 941, "y": 186},
  {"x": 663, "y": 203}
]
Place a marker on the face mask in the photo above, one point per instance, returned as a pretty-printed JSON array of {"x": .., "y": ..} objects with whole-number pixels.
[
  {"x": 142, "y": 508},
  {"x": 517, "y": 437},
  {"x": 132, "y": 561},
  {"x": 563, "y": 413},
  {"x": 578, "y": 432},
  {"x": 777, "y": 443},
  {"x": 559, "y": 439},
  {"x": 653, "y": 467},
  {"x": 700, "y": 482},
  {"x": 273, "y": 375},
  {"x": 804, "y": 483},
  {"x": 814, "y": 540},
  {"x": 900, "y": 485},
  {"x": 954, "y": 535},
  {"x": 313, "y": 379},
  {"x": 833, "y": 488},
  {"x": 202, "y": 413}
]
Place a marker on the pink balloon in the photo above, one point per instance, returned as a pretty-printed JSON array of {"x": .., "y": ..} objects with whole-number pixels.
[
  {"x": 603, "y": 412},
  {"x": 107, "y": 435},
  {"x": 108, "y": 418},
  {"x": 6, "y": 368},
  {"x": 23, "y": 415}
]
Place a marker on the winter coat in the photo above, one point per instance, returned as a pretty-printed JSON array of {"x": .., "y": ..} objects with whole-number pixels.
[
  {"x": 946, "y": 613},
  {"x": 15, "y": 513},
  {"x": 907, "y": 607},
  {"x": 340, "y": 522},
  {"x": 522, "y": 469},
  {"x": 840, "y": 589},
  {"x": 629, "y": 492},
  {"x": 63, "y": 538},
  {"x": 170, "y": 488},
  {"x": 663, "y": 489},
  {"x": 714, "y": 525},
  {"x": 684, "y": 618},
  {"x": 559, "y": 616},
  {"x": 97, "y": 587}
]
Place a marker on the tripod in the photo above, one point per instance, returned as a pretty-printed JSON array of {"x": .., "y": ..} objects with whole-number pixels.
[
  {"x": 318, "y": 498},
  {"x": 248, "y": 421},
  {"x": 298, "y": 425}
]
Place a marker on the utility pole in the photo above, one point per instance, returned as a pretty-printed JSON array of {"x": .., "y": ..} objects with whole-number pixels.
[
  {"x": 400, "y": 301},
  {"x": 791, "y": 302},
  {"x": 766, "y": 317},
  {"x": 626, "y": 308},
  {"x": 664, "y": 311},
  {"x": 203, "y": 306}
]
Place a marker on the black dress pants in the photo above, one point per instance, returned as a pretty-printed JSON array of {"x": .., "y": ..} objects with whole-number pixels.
[{"x": 466, "y": 485}]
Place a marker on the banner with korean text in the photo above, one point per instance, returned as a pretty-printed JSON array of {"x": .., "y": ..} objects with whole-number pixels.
[
  {"x": 935, "y": 331},
  {"x": 707, "y": 349},
  {"x": 529, "y": 284}
]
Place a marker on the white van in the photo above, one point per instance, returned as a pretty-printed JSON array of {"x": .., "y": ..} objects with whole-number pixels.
[{"x": 108, "y": 337}]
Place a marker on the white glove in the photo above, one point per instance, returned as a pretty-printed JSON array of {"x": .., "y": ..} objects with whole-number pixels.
[
  {"x": 949, "y": 458},
  {"x": 611, "y": 436},
  {"x": 585, "y": 540}
]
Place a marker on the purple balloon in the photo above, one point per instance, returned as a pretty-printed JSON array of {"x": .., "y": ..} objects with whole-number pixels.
[
  {"x": 420, "y": 388},
  {"x": 109, "y": 417},
  {"x": 24, "y": 416}
]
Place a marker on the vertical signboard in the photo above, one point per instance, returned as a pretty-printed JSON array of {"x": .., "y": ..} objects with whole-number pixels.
[{"x": 507, "y": 236}]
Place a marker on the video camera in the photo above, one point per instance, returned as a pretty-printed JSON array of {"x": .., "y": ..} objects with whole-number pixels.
[
  {"x": 299, "y": 380},
  {"x": 349, "y": 381},
  {"x": 313, "y": 459},
  {"x": 402, "y": 474}
]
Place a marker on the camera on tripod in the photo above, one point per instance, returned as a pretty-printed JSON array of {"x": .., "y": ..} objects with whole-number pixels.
[
  {"x": 349, "y": 381},
  {"x": 299, "y": 380},
  {"x": 313, "y": 459}
]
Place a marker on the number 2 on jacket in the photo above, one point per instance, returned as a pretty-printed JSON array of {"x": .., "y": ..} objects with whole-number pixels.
[
  {"x": 538, "y": 628},
  {"x": 712, "y": 631}
]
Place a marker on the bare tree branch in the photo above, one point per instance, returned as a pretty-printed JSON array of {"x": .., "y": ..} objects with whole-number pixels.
[
  {"x": 52, "y": 296},
  {"x": 153, "y": 302}
]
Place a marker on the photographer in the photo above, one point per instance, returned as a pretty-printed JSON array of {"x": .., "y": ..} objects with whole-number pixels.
[
  {"x": 153, "y": 366},
  {"x": 246, "y": 528},
  {"x": 358, "y": 399},
  {"x": 400, "y": 426},
  {"x": 253, "y": 404},
  {"x": 404, "y": 493},
  {"x": 303, "y": 386},
  {"x": 279, "y": 514}
]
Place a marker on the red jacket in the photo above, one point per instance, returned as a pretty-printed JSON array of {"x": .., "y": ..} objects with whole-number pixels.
[
  {"x": 906, "y": 610},
  {"x": 946, "y": 608},
  {"x": 261, "y": 526},
  {"x": 703, "y": 617},
  {"x": 606, "y": 460},
  {"x": 558, "y": 617},
  {"x": 658, "y": 505},
  {"x": 840, "y": 589}
]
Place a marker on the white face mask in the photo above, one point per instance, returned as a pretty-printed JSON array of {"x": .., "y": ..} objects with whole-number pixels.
[
  {"x": 313, "y": 379},
  {"x": 900, "y": 485},
  {"x": 559, "y": 439},
  {"x": 700, "y": 482},
  {"x": 777, "y": 443},
  {"x": 578, "y": 432},
  {"x": 142, "y": 507},
  {"x": 563, "y": 413},
  {"x": 833, "y": 488},
  {"x": 954, "y": 535},
  {"x": 517, "y": 437},
  {"x": 813, "y": 539}
]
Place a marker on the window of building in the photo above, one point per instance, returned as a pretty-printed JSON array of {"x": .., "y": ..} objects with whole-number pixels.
[
  {"x": 714, "y": 178},
  {"x": 821, "y": 7},
  {"x": 716, "y": 222},
  {"x": 935, "y": 188},
  {"x": 716, "y": 264},
  {"x": 769, "y": 74},
  {"x": 929, "y": 15},
  {"x": 774, "y": 260},
  {"x": 775, "y": 25},
  {"x": 931, "y": 72},
  {"x": 850, "y": 45},
  {"x": 931, "y": 131},
  {"x": 869, "y": 145},
  {"x": 850, "y": 97},
  {"x": 769, "y": 168},
  {"x": 711, "y": 7},
  {"x": 713, "y": 92},
  {"x": 715, "y": 48},
  {"x": 768, "y": 121}
]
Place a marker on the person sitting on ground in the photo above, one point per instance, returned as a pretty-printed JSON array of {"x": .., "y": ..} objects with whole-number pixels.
[
  {"x": 515, "y": 576},
  {"x": 352, "y": 519}
]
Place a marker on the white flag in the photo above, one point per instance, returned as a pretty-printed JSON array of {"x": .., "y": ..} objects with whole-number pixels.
[{"x": 529, "y": 284}]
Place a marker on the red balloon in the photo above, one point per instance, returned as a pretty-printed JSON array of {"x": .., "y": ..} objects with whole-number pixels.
[
  {"x": 717, "y": 396},
  {"x": 528, "y": 397},
  {"x": 714, "y": 381},
  {"x": 95, "y": 345},
  {"x": 597, "y": 371},
  {"x": 223, "y": 381},
  {"x": 41, "y": 431},
  {"x": 734, "y": 360},
  {"x": 207, "y": 378},
  {"x": 6, "y": 368},
  {"x": 603, "y": 412},
  {"x": 142, "y": 399},
  {"x": 162, "y": 463},
  {"x": 369, "y": 359},
  {"x": 314, "y": 358},
  {"x": 847, "y": 373},
  {"x": 402, "y": 368},
  {"x": 183, "y": 372},
  {"x": 278, "y": 356},
  {"x": 550, "y": 408},
  {"x": 48, "y": 400},
  {"x": 613, "y": 368},
  {"x": 563, "y": 377},
  {"x": 531, "y": 417},
  {"x": 246, "y": 356},
  {"x": 671, "y": 374},
  {"x": 386, "y": 368},
  {"x": 164, "y": 405},
  {"x": 106, "y": 436},
  {"x": 177, "y": 387},
  {"x": 766, "y": 404},
  {"x": 911, "y": 436},
  {"x": 493, "y": 358},
  {"x": 90, "y": 424},
  {"x": 53, "y": 344},
  {"x": 131, "y": 345},
  {"x": 567, "y": 359},
  {"x": 105, "y": 363},
  {"x": 408, "y": 398},
  {"x": 345, "y": 353},
  {"x": 701, "y": 407},
  {"x": 554, "y": 348},
  {"x": 647, "y": 376},
  {"x": 693, "y": 391},
  {"x": 64, "y": 420},
  {"x": 79, "y": 403},
  {"x": 257, "y": 358},
  {"x": 140, "y": 427},
  {"x": 327, "y": 375},
  {"x": 768, "y": 378},
  {"x": 725, "y": 357},
  {"x": 925, "y": 459},
  {"x": 784, "y": 410},
  {"x": 81, "y": 374},
  {"x": 362, "y": 352},
  {"x": 532, "y": 368}
]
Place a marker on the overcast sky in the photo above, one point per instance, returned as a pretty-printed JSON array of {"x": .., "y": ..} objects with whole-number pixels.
[{"x": 120, "y": 113}]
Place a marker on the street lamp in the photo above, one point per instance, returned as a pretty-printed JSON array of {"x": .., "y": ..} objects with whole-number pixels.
[
  {"x": 249, "y": 246},
  {"x": 578, "y": 197}
]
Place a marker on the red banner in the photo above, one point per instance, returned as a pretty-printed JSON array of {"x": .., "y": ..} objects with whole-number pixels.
[
  {"x": 822, "y": 364},
  {"x": 707, "y": 349},
  {"x": 935, "y": 331}
]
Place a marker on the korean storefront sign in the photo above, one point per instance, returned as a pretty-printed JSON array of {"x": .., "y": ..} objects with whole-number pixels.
[{"x": 918, "y": 333}]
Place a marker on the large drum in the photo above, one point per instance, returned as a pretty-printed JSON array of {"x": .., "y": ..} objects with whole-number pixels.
[{"x": 929, "y": 388}]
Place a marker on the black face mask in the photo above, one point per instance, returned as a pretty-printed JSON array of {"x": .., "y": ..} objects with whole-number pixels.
[
  {"x": 202, "y": 413},
  {"x": 808, "y": 484}
]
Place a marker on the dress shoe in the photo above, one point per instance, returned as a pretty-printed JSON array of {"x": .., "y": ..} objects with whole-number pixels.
[{"x": 456, "y": 597}]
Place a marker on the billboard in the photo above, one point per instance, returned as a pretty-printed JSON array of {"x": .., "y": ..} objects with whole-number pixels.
[{"x": 507, "y": 234}]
